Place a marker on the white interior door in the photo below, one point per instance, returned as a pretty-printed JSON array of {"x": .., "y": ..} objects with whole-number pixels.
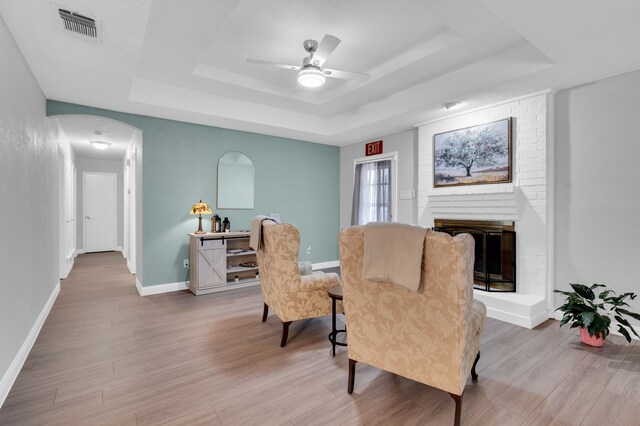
[{"x": 99, "y": 212}]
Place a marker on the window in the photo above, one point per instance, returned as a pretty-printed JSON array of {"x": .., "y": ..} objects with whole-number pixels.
[{"x": 373, "y": 190}]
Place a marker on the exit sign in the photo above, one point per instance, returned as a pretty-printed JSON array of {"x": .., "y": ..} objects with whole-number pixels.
[{"x": 373, "y": 148}]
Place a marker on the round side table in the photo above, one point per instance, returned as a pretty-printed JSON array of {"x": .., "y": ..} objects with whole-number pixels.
[{"x": 335, "y": 293}]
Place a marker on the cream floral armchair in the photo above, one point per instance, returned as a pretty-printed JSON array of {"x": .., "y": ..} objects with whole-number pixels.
[
  {"x": 431, "y": 336},
  {"x": 291, "y": 296}
]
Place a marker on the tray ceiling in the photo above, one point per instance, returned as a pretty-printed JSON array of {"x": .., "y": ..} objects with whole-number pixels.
[{"x": 187, "y": 60}]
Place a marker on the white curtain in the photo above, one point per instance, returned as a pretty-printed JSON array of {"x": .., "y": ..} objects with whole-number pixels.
[{"x": 372, "y": 193}]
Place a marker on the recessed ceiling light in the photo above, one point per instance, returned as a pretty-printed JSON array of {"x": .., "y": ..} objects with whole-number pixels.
[
  {"x": 311, "y": 77},
  {"x": 452, "y": 105},
  {"x": 100, "y": 144}
]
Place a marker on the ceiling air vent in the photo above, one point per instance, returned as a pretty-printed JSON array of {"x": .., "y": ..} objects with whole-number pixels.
[{"x": 78, "y": 24}]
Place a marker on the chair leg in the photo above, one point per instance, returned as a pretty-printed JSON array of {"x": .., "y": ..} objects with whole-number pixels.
[
  {"x": 352, "y": 375},
  {"x": 265, "y": 312},
  {"x": 285, "y": 333},
  {"x": 458, "y": 400},
  {"x": 474, "y": 375}
]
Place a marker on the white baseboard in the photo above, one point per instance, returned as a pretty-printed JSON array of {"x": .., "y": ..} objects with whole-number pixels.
[
  {"x": 130, "y": 268},
  {"x": 160, "y": 288},
  {"x": 613, "y": 328},
  {"x": 18, "y": 361},
  {"x": 169, "y": 287},
  {"x": 80, "y": 251},
  {"x": 519, "y": 309},
  {"x": 325, "y": 265},
  {"x": 120, "y": 249},
  {"x": 68, "y": 269}
]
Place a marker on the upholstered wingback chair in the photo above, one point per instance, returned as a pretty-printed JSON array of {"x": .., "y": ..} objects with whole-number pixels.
[
  {"x": 291, "y": 296},
  {"x": 431, "y": 336}
]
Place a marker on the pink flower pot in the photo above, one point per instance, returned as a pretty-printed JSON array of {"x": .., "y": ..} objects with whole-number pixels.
[{"x": 596, "y": 340}]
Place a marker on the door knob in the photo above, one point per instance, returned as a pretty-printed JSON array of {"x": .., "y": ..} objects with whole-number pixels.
[{"x": 89, "y": 217}]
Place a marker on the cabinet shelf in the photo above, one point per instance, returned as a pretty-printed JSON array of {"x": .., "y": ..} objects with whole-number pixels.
[
  {"x": 244, "y": 253},
  {"x": 214, "y": 268},
  {"x": 241, "y": 269}
]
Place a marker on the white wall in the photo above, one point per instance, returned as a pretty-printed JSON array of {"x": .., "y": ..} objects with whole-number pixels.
[
  {"x": 103, "y": 166},
  {"x": 405, "y": 143},
  {"x": 598, "y": 184},
  {"x": 29, "y": 225}
]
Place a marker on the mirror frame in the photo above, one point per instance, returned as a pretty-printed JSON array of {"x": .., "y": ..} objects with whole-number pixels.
[{"x": 253, "y": 181}]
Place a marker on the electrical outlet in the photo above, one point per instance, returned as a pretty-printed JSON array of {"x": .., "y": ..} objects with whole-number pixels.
[
  {"x": 185, "y": 263},
  {"x": 309, "y": 250}
]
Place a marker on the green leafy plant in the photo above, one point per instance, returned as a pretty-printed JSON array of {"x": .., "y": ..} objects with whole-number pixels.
[{"x": 590, "y": 310}]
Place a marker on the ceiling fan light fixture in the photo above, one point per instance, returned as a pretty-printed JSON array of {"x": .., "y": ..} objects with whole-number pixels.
[
  {"x": 100, "y": 144},
  {"x": 311, "y": 77}
]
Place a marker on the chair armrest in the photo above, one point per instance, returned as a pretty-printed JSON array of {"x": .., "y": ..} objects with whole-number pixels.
[{"x": 319, "y": 281}]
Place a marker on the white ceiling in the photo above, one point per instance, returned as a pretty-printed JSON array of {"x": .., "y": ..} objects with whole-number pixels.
[
  {"x": 80, "y": 129},
  {"x": 187, "y": 60}
]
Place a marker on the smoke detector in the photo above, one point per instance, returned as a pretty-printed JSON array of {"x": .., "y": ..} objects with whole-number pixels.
[{"x": 451, "y": 105}]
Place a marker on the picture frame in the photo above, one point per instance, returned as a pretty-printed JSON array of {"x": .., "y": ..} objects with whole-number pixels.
[{"x": 475, "y": 155}]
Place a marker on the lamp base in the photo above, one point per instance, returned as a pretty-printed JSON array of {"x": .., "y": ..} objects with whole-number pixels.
[{"x": 200, "y": 231}]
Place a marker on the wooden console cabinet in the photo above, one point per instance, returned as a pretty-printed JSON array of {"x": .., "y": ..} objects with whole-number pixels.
[{"x": 215, "y": 259}]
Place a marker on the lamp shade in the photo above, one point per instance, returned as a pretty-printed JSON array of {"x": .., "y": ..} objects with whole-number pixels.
[{"x": 201, "y": 208}]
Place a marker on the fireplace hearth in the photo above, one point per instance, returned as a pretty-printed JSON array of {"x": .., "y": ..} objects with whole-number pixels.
[{"x": 495, "y": 250}]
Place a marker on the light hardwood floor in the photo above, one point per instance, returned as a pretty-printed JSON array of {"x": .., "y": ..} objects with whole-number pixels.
[{"x": 108, "y": 356}]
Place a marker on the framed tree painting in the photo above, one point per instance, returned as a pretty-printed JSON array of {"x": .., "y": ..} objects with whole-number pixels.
[{"x": 474, "y": 155}]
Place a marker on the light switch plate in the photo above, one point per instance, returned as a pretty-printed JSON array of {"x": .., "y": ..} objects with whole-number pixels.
[{"x": 407, "y": 195}]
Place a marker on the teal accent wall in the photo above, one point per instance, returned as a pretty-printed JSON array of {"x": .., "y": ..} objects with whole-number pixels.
[{"x": 298, "y": 179}]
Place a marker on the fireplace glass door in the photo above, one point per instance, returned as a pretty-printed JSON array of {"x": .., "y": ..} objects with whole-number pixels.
[{"x": 495, "y": 252}]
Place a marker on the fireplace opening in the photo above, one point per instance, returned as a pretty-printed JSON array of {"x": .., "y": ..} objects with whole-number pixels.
[{"x": 495, "y": 262}]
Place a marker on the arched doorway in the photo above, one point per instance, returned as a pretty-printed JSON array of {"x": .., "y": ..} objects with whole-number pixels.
[{"x": 82, "y": 162}]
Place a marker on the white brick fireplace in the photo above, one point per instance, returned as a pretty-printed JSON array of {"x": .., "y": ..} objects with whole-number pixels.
[{"x": 527, "y": 201}]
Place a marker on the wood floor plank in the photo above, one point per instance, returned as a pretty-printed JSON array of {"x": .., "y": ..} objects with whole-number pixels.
[
  {"x": 514, "y": 362},
  {"x": 56, "y": 412},
  {"x": 493, "y": 414},
  {"x": 106, "y": 356},
  {"x": 534, "y": 385},
  {"x": 571, "y": 400},
  {"x": 365, "y": 397},
  {"x": 626, "y": 380},
  {"x": 612, "y": 409},
  {"x": 179, "y": 411}
]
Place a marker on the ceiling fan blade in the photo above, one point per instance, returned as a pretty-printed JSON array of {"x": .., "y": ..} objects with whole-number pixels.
[
  {"x": 273, "y": 64},
  {"x": 326, "y": 47},
  {"x": 345, "y": 75}
]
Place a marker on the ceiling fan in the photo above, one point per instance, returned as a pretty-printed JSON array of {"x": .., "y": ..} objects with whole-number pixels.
[{"x": 312, "y": 73}]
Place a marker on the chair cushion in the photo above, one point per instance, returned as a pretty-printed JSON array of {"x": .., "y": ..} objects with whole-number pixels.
[{"x": 320, "y": 281}]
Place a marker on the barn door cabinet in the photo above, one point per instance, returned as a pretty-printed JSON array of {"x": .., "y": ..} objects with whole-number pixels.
[{"x": 221, "y": 261}]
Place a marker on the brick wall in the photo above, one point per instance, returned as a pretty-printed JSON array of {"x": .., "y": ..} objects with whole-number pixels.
[{"x": 523, "y": 201}]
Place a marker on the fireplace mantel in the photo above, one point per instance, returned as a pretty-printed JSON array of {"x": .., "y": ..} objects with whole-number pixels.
[{"x": 495, "y": 205}]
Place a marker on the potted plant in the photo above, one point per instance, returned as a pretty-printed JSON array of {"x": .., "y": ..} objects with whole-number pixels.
[{"x": 590, "y": 312}]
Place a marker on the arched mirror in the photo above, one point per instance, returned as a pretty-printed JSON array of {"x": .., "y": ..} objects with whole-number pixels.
[{"x": 235, "y": 181}]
